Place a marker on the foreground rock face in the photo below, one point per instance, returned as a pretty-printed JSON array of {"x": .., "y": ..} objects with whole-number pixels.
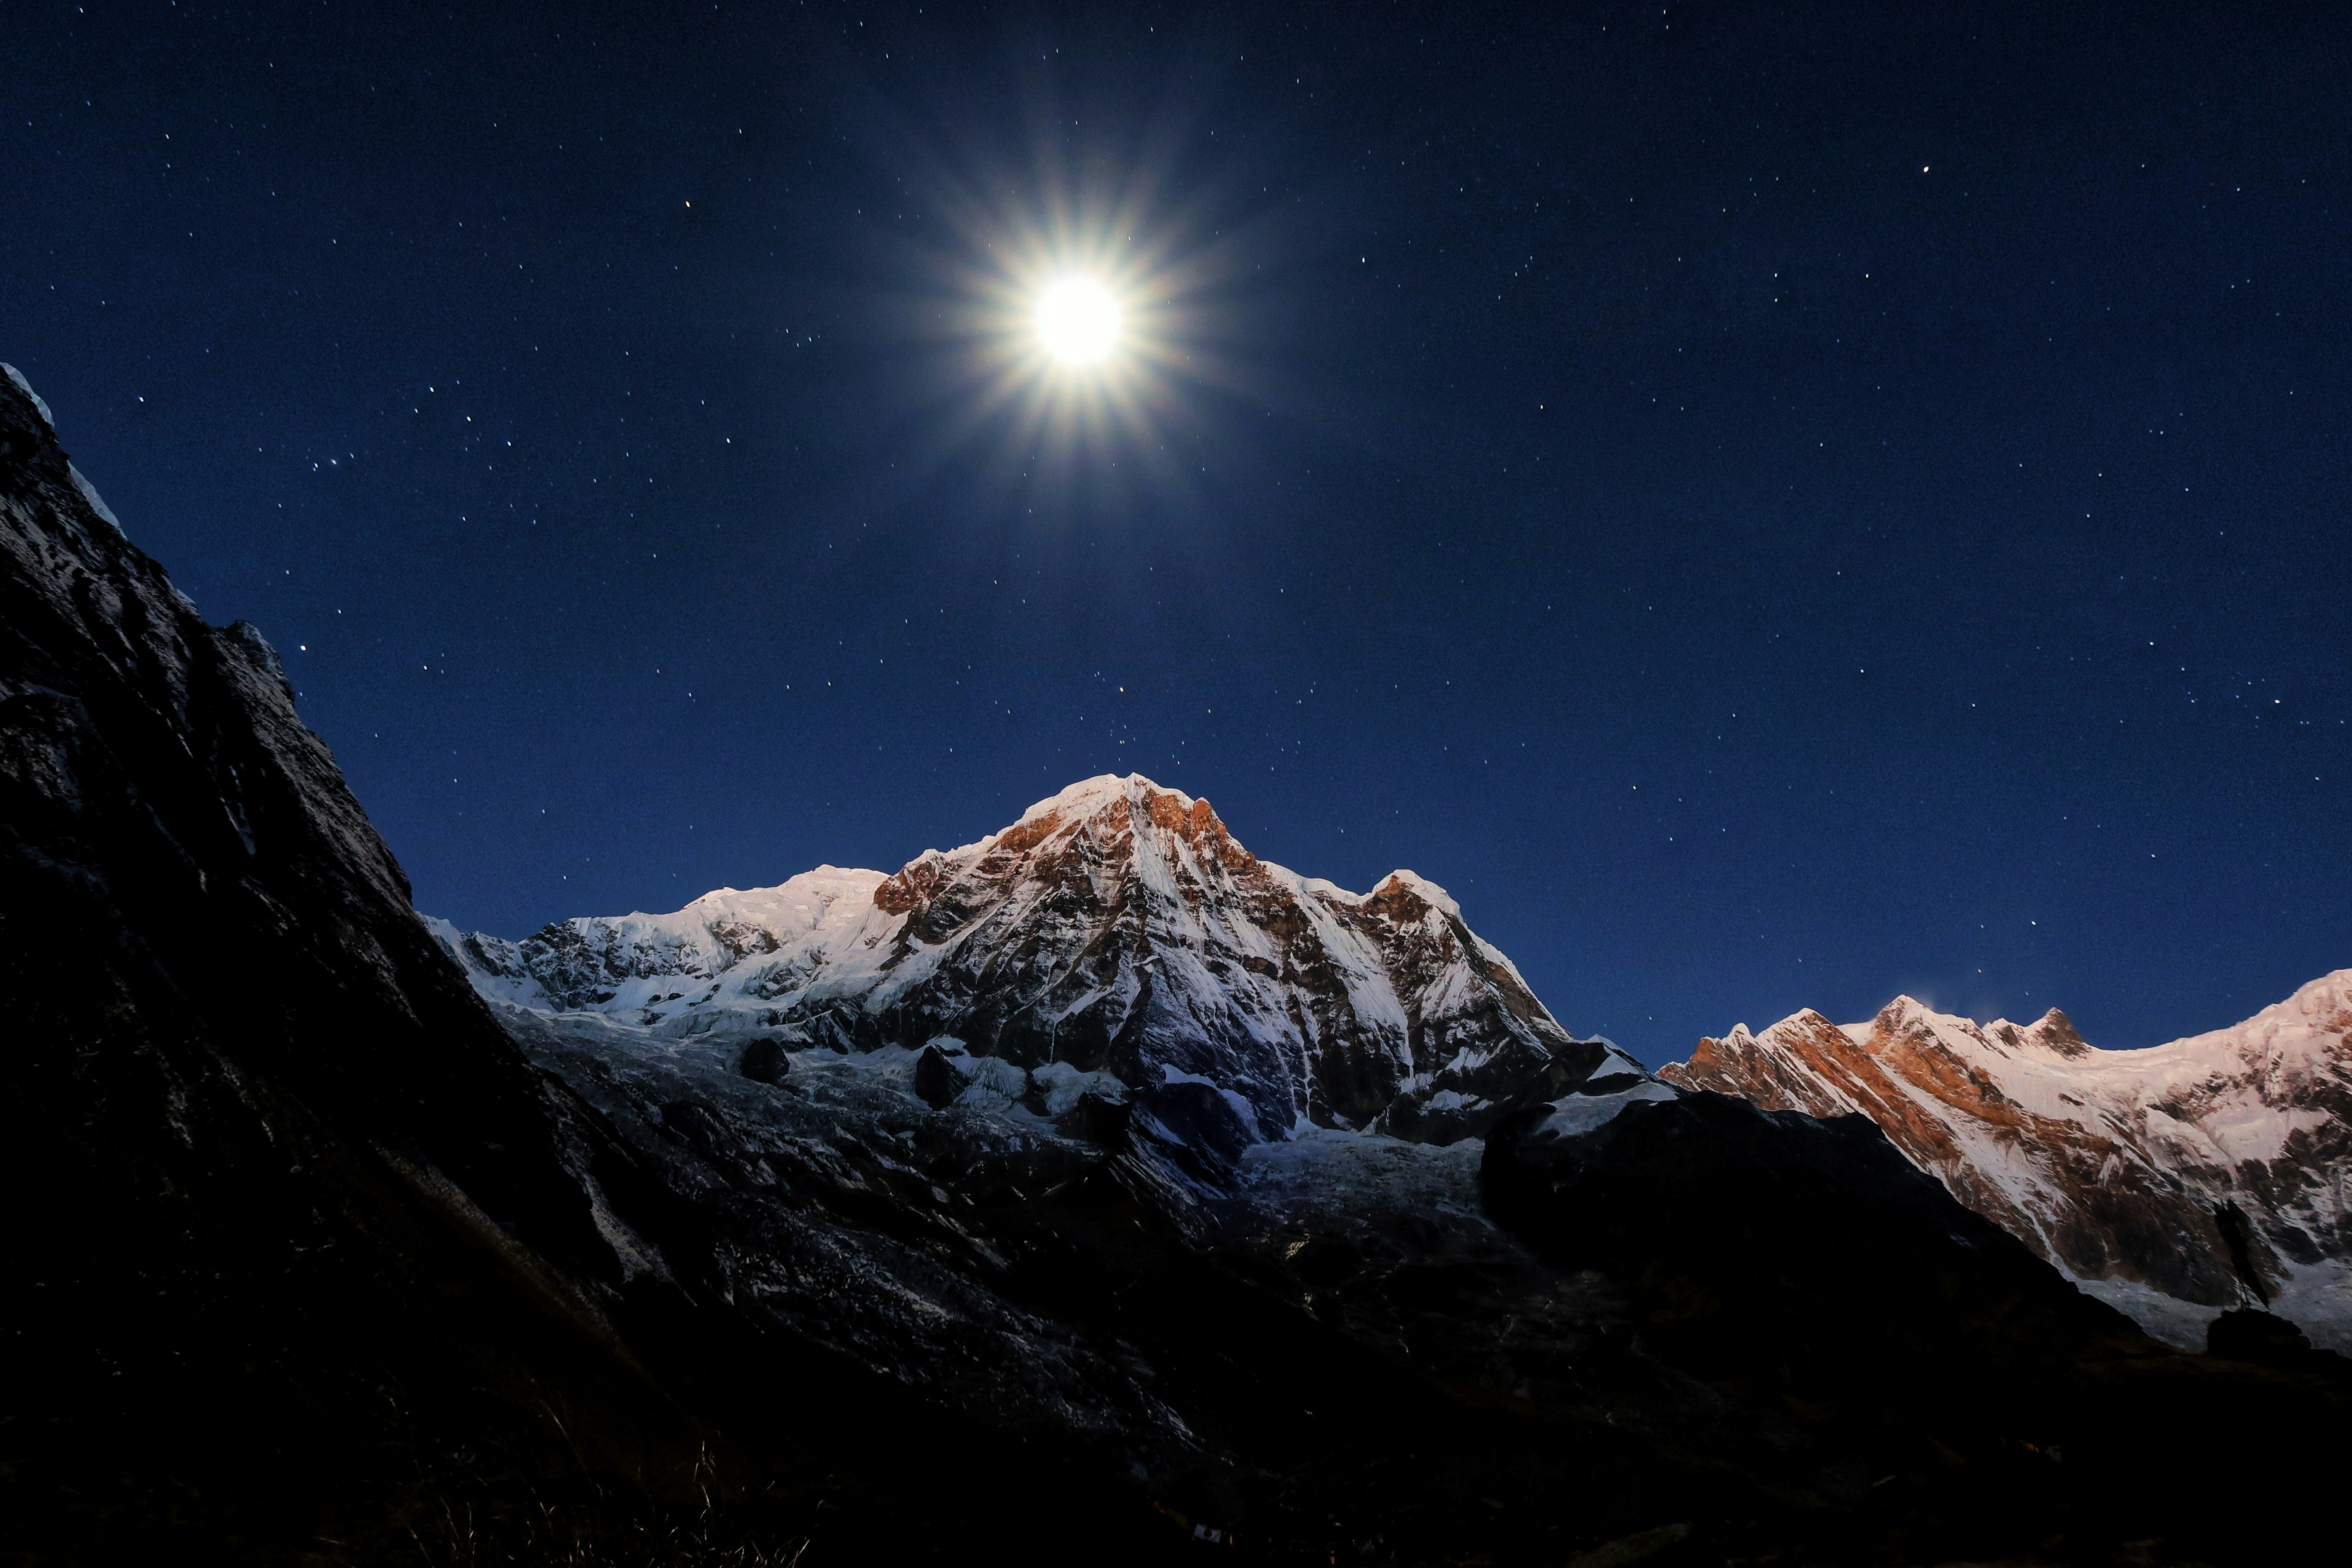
[
  {"x": 2127, "y": 1168},
  {"x": 243, "y": 1218},
  {"x": 1116, "y": 928},
  {"x": 1804, "y": 1259},
  {"x": 1781, "y": 1239}
]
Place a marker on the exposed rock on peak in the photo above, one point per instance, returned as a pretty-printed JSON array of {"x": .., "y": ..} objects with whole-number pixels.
[
  {"x": 1116, "y": 927},
  {"x": 2052, "y": 1032},
  {"x": 314, "y": 1267},
  {"x": 2112, "y": 1164}
]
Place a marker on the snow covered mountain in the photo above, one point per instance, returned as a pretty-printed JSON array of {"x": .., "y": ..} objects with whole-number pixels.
[
  {"x": 1116, "y": 928},
  {"x": 2171, "y": 1181},
  {"x": 352, "y": 1266}
]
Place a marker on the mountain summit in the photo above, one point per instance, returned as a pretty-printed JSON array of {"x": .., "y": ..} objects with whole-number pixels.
[
  {"x": 2175, "y": 1182},
  {"x": 1116, "y": 928}
]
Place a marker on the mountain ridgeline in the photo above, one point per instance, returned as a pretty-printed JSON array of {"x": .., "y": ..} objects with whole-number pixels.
[
  {"x": 1097, "y": 1191},
  {"x": 1116, "y": 927},
  {"x": 2177, "y": 1182}
]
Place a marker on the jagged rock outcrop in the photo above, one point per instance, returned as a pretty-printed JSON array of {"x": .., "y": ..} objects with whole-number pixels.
[
  {"x": 1116, "y": 928},
  {"x": 2125, "y": 1168}
]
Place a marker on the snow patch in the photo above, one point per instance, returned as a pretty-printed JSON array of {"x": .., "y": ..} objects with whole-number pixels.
[
  {"x": 993, "y": 1076},
  {"x": 1575, "y": 1114},
  {"x": 1062, "y": 1085},
  {"x": 97, "y": 504},
  {"x": 16, "y": 378},
  {"x": 2179, "y": 1324},
  {"x": 2318, "y": 1298},
  {"x": 1241, "y": 1107},
  {"x": 1429, "y": 892}
]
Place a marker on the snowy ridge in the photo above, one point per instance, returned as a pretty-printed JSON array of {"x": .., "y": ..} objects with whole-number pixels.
[
  {"x": 1116, "y": 927},
  {"x": 2121, "y": 1167}
]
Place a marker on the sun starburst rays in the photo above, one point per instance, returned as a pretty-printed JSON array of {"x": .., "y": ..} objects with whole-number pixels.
[
  {"x": 1084, "y": 328},
  {"x": 1087, "y": 315}
]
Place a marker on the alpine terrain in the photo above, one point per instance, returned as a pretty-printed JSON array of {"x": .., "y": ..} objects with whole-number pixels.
[
  {"x": 1116, "y": 928},
  {"x": 1094, "y": 1192},
  {"x": 2176, "y": 1182}
]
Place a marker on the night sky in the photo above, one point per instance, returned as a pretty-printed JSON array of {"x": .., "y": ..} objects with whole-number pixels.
[{"x": 1771, "y": 508}]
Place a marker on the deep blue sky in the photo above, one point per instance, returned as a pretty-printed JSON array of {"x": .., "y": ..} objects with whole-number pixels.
[{"x": 1770, "y": 508}]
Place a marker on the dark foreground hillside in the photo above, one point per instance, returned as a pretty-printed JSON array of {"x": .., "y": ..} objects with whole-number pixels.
[{"x": 341, "y": 1267}]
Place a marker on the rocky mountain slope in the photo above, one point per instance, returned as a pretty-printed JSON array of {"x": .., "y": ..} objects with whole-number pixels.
[
  {"x": 1116, "y": 928},
  {"x": 275, "y": 1251},
  {"x": 2177, "y": 1181},
  {"x": 319, "y": 1258},
  {"x": 332, "y": 1267}
]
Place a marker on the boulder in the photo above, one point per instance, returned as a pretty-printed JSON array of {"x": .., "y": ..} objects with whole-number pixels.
[
  {"x": 1199, "y": 1117},
  {"x": 764, "y": 1060},
  {"x": 1098, "y": 1118},
  {"x": 2250, "y": 1335},
  {"x": 936, "y": 1080}
]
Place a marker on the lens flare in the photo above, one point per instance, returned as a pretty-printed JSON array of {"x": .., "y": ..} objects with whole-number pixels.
[
  {"x": 1077, "y": 320},
  {"x": 1088, "y": 323}
]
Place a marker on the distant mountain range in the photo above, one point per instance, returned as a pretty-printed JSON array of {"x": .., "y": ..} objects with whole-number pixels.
[
  {"x": 1118, "y": 932},
  {"x": 2175, "y": 1182}
]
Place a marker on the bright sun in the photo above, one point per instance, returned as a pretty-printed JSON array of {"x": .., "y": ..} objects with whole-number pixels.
[{"x": 1077, "y": 320}]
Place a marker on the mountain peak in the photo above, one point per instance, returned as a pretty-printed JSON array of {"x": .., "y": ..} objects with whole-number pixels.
[
  {"x": 1907, "y": 1014},
  {"x": 2329, "y": 997},
  {"x": 1116, "y": 928},
  {"x": 1102, "y": 789},
  {"x": 2111, "y": 1163},
  {"x": 1133, "y": 799},
  {"x": 2053, "y": 1032},
  {"x": 1421, "y": 887}
]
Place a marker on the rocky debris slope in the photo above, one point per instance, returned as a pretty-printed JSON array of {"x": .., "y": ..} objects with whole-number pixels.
[
  {"x": 2175, "y": 1181},
  {"x": 1116, "y": 928}
]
